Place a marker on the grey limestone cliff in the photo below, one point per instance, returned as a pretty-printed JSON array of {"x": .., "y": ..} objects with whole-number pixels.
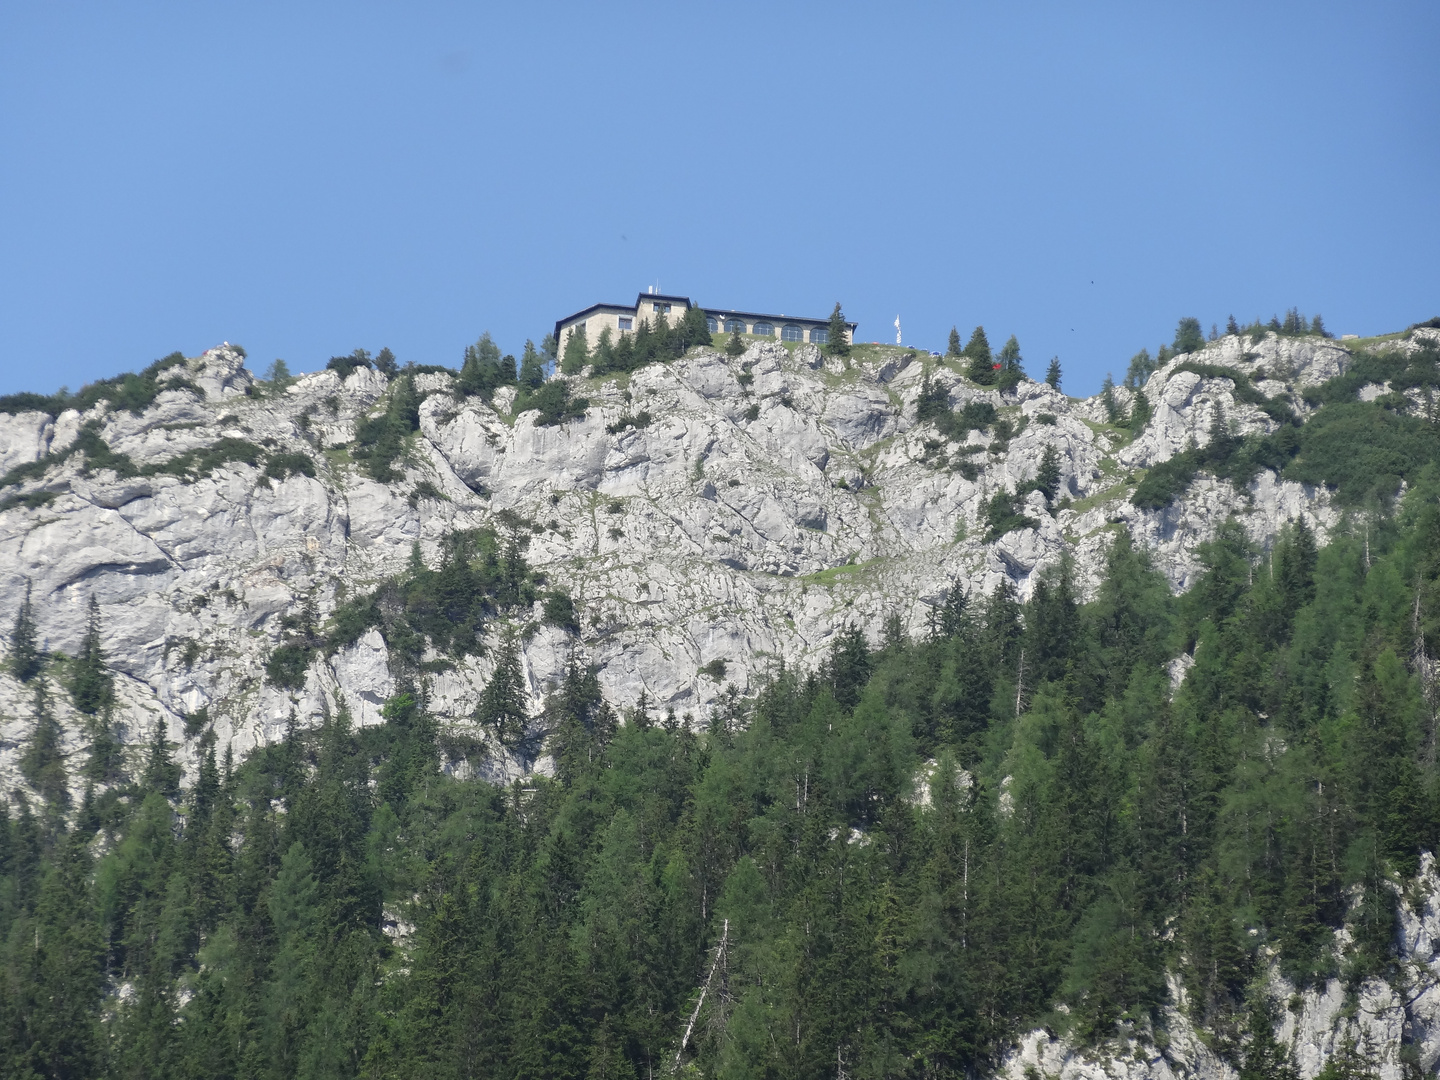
[{"x": 741, "y": 510}]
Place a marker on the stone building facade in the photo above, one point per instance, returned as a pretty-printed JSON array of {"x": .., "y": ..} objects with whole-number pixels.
[{"x": 624, "y": 318}]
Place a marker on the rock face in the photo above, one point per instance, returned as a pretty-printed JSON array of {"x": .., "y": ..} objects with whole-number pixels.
[
  {"x": 1393, "y": 1029},
  {"x": 740, "y": 510},
  {"x": 712, "y": 509}
]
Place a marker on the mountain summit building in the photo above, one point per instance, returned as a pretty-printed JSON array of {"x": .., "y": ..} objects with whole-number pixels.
[{"x": 624, "y": 318}]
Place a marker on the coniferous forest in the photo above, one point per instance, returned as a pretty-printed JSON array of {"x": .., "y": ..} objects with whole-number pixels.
[{"x": 890, "y": 866}]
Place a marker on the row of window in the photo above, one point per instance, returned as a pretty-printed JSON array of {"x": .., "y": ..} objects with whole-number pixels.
[
  {"x": 789, "y": 332},
  {"x": 819, "y": 335}
]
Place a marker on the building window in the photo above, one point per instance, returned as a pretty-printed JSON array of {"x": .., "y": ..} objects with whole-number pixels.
[
  {"x": 819, "y": 335},
  {"x": 734, "y": 326},
  {"x": 660, "y": 309},
  {"x": 627, "y": 323},
  {"x": 791, "y": 332},
  {"x": 712, "y": 324},
  {"x": 764, "y": 329}
]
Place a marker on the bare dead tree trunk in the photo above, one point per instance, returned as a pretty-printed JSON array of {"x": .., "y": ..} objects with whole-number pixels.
[
  {"x": 690, "y": 1027},
  {"x": 1429, "y": 682},
  {"x": 1020, "y": 684}
]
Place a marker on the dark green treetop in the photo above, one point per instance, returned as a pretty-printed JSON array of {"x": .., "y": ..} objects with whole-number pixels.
[
  {"x": 577, "y": 352},
  {"x": 1052, "y": 373},
  {"x": 982, "y": 363},
  {"x": 953, "y": 350},
  {"x": 1047, "y": 476},
  {"x": 92, "y": 687},
  {"x": 837, "y": 336},
  {"x": 532, "y": 368},
  {"x": 1142, "y": 366},
  {"x": 25, "y": 658},
  {"x": 1189, "y": 337}
]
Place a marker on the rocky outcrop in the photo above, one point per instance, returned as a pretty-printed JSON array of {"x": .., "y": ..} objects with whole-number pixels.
[
  {"x": 1391, "y": 1029},
  {"x": 711, "y": 509},
  {"x": 740, "y": 510}
]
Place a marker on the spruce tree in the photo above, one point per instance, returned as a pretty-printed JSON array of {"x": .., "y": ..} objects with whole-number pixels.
[
  {"x": 1140, "y": 369},
  {"x": 1113, "y": 412},
  {"x": 92, "y": 687},
  {"x": 25, "y": 658},
  {"x": 1052, "y": 373},
  {"x": 106, "y": 758},
  {"x": 694, "y": 329},
  {"x": 982, "y": 363},
  {"x": 385, "y": 363},
  {"x": 43, "y": 763},
  {"x": 1012, "y": 371},
  {"x": 953, "y": 350},
  {"x": 837, "y": 336},
  {"x": 161, "y": 773},
  {"x": 504, "y": 703},
  {"x": 577, "y": 352},
  {"x": 480, "y": 374},
  {"x": 1189, "y": 338},
  {"x": 736, "y": 345},
  {"x": 278, "y": 375},
  {"x": 532, "y": 368},
  {"x": 1047, "y": 476},
  {"x": 1231, "y": 326},
  {"x": 1140, "y": 412}
]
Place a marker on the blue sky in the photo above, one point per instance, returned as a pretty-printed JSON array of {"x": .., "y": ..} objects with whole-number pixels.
[{"x": 308, "y": 178}]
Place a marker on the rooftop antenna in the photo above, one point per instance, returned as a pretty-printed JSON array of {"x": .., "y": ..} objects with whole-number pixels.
[{"x": 897, "y": 329}]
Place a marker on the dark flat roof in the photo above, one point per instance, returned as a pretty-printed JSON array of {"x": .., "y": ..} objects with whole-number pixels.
[{"x": 749, "y": 316}]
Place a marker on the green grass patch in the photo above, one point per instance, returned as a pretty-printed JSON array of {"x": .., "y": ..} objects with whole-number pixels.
[{"x": 835, "y": 574}]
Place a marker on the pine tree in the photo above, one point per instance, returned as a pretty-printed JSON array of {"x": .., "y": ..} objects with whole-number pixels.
[
  {"x": 982, "y": 363},
  {"x": 1140, "y": 411},
  {"x": 1052, "y": 373},
  {"x": 278, "y": 375},
  {"x": 736, "y": 345},
  {"x": 1113, "y": 411},
  {"x": 1232, "y": 327},
  {"x": 1189, "y": 338},
  {"x": 483, "y": 370},
  {"x": 1140, "y": 369},
  {"x": 1317, "y": 326},
  {"x": 504, "y": 706},
  {"x": 161, "y": 773},
  {"x": 532, "y": 368},
  {"x": 92, "y": 687},
  {"x": 61, "y": 974},
  {"x": 848, "y": 666},
  {"x": 694, "y": 329},
  {"x": 837, "y": 337},
  {"x": 385, "y": 363},
  {"x": 43, "y": 763},
  {"x": 25, "y": 658},
  {"x": 577, "y": 352},
  {"x": 953, "y": 351},
  {"x": 106, "y": 759},
  {"x": 1047, "y": 476},
  {"x": 1012, "y": 371}
]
